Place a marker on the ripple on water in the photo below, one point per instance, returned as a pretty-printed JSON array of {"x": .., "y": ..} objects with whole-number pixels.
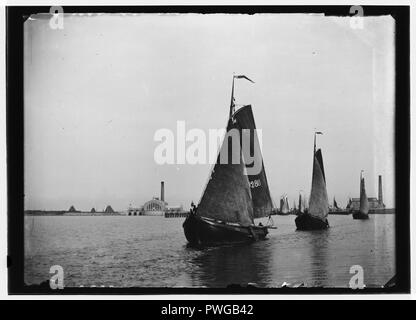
[{"x": 152, "y": 252}]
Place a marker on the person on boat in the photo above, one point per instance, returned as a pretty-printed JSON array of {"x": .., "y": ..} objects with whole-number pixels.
[{"x": 193, "y": 208}]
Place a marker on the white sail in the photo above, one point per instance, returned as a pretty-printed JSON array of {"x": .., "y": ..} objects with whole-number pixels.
[
  {"x": 284, "y": 205},
  {"x": 301, "y": 204},
  {"x": 318, "y": 200}
]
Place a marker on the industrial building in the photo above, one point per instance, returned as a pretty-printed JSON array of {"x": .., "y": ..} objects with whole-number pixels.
[{"x": 156, "y": 207}]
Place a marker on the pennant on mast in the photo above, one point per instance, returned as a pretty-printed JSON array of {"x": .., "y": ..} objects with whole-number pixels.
[{"x": 244, "y": 77}]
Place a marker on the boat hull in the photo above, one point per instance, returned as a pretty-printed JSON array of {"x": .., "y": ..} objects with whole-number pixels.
[
  {"x": 306, "y": 221},
  {"x": 200, "y": 231},
  {"x": 360, "y": 216}
]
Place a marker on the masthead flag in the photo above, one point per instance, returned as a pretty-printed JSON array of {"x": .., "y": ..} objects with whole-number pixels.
[{"x": 243, "y": 77}]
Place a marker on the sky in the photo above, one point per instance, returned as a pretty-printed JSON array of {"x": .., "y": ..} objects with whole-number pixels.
[{"x": 96, "y": 91}]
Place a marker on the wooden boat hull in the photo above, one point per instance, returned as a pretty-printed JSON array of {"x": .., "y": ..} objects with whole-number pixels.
[
  {"x": 200, "y": 231},
  {"x": 306, "y": 221},
  {"x": 357, "y": 215}
]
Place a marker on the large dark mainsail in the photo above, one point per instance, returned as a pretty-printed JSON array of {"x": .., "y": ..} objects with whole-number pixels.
[
  {"x": 227, "y": 196},
  {"x": 262, "y": 201}
]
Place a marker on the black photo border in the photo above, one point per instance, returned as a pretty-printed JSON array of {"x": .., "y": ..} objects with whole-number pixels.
[{"x": 15, "y": 17}]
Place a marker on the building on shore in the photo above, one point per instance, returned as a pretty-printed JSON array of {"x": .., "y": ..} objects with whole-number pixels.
[
  {"x": 72, "y": 209},
  {"x": 109, "y": 209},
  {"x": 156, "y": 207}
]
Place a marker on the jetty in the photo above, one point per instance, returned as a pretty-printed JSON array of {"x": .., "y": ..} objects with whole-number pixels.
[{"x": 176, "y": 214}]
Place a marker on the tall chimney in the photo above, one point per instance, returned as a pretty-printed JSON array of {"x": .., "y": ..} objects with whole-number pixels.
[
  {"x": 380, "y": 191},
  {"x": 162, "y": 191}
]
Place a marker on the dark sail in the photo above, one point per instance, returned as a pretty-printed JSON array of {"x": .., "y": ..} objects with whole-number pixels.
[
  {"x": 349, "y": 203},
  {"x": 301, "y": 204},
  {"x": 364, "y": 205},
  {"x": 262, "y": 201},
  {"x": 318, "y": 201},
  {"x": 227, "y": 196}
]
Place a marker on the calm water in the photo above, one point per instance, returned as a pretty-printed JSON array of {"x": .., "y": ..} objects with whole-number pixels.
[{"x": 125, "y": 251}]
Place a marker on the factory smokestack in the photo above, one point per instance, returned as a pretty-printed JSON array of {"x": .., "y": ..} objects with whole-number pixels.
[
  {"x": 162, "y": 191},
  {"x": 380, "y": 192}
]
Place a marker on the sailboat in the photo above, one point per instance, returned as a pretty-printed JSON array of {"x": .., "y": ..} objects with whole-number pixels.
[
  {"x": 335, "y": 204},
  {"x": 232, "y": 198},
  {"x": 284, "y": 206},
  {"x": 301, "y": 205},
  {"x": 337, "y": 210},
  {"x": 362, "y": 214},
  {"x": 316, "y": 216}
]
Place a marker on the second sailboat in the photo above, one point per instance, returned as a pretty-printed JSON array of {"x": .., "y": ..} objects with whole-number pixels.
[{"x": 316, "y": 216}]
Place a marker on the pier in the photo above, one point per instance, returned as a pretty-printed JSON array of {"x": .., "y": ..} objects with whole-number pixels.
[{"x": 176, "y": 214}]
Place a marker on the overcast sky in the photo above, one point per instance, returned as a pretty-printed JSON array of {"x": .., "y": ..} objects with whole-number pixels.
[{"x": 97, "y": 91}]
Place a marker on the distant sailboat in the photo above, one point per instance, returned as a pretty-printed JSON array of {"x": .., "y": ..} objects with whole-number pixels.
[
  {"x": 232, "y": 199},
  {"x": 335, "y": 204},
  {"x": 284, "y": 206},
  {"x": 316, "y": 216},
  {"x": 337, "y": 210},
  {"x": 301, "y": 205},
  {"x": 362, "y": 214},
  {"x": 349, "y": 205}
]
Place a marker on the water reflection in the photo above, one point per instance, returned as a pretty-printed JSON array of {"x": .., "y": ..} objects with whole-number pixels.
[
  {"x": 318, "y": 257},
  {"x": 233, "y": 264},
  {"x": 152, "y": 252}
]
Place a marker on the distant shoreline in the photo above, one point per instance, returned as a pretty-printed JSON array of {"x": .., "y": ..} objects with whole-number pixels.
[
  {"x": 68, "y": 213},
  {"x": 88, "y": 213}
]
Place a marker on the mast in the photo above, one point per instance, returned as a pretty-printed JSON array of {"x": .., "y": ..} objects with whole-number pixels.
[
  {"x": 227, "y": 196},
  {"x": 232, "y": 99}
]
